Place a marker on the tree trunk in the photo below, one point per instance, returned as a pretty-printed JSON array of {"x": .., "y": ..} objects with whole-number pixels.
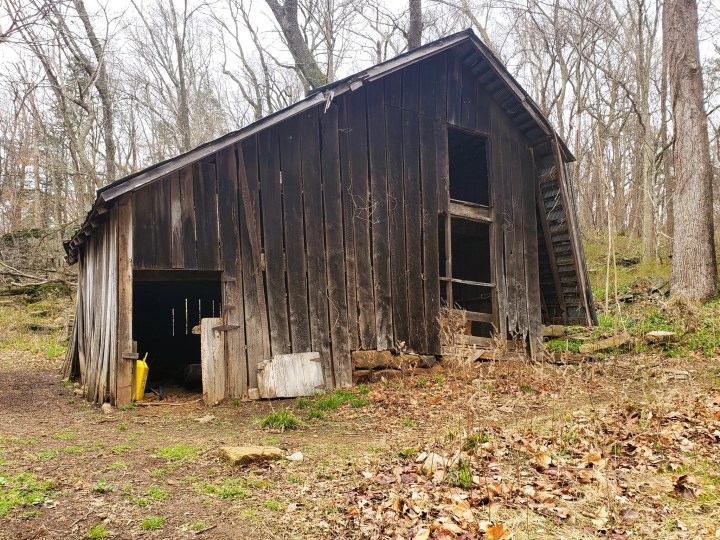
[
  {"x": 102, "y": 84},
  {"x": 694, "y": 271},
  {"x": 287, "y": 17},
  {"x": 183, "y": 109},
  {"x": 414, "y": 36}
]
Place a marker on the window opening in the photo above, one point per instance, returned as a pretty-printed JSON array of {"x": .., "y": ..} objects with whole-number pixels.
[
  {"x": 468, "y": 167},
  {"x": 466, "y": 276}
]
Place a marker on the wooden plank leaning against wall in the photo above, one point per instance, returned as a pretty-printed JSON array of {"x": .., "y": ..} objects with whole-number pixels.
[{"x": 124, "y": 357}]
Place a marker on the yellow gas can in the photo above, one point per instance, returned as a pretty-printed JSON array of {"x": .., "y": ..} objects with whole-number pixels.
[{"x": 141, "y": 374}]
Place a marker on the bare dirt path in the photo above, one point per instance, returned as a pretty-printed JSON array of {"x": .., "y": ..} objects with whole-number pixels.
[{"x": 563, "y": 452}]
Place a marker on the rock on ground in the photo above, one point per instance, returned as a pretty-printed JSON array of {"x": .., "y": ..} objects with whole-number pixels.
[
  {"x": 242, "y": 455},
  {"x": 660, "y": 336}
]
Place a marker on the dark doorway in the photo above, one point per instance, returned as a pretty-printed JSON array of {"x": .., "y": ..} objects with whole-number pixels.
[{"x": 167, "y": 305}]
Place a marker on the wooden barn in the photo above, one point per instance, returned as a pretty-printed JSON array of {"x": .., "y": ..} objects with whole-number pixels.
[{"x": 339, "y": 224}]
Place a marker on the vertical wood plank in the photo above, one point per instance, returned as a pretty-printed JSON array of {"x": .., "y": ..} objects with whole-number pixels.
[
  {"x": 292, "y": 197},
  {"x": 124, "y": 377},
  {"x": 454, "y": 88},
  {"x": 160, "y": 193},
  {"x": 205, "y": 192},
  {"x": 362, "y": 216},
  {"x": 518, "y": 215},
  {"x": 314, "y": 235},
  {"x": 413, "y": 228},
  {"x": 177, "y": 252},
  {"x": 440, "y": 72},
  {"x": 233, "y": 306},
  {"x": 508, "y": 227},
  {"x": 187, "y": 216},
  {"x": 442, "y": 162},
  {"x": 256, "y": 325},
  {"x": 411, "y": 87},
  {"x": 143, "y": 231},
  {"x": 427, "y": 86},
  {"x": 430, "y": 247},
  {"x": 468, "y": 98},
  {"x": 396, "y": 224},
  {"x": 498, "y": 228},
  {"x": 334, "y": 245},
  {"x": 348, "y": 224},
  {"x": 532, "y": 262},
  {"x": 271, "y": 202},
  {"x": 212, "y": 360},
  {"x": 393, "y": 84},
  {"x": 109, "y": 348},
  {"x": 482, "y": 120},
  {"x": 379, "y": 216}
]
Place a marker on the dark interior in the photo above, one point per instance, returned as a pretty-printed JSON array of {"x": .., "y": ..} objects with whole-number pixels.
[
  {"x": 468, "y": 167},
  {"x": 166, "y": 307},
  {"x": 470, "y": 249}
]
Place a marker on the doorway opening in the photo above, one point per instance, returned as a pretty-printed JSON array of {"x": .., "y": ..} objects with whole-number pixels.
[{"x": 167, "y": 308}]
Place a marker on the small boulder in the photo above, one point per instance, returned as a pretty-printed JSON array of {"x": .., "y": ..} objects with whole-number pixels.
[
  {"x": 432, "y": 463},
  {"x": 242, "y": 455},
  {"x": 296, "y": 456},
  {"x": 660, "y": 336}
]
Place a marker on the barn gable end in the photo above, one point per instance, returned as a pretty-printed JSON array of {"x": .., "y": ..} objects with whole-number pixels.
[{"x": 344, "y": 223}]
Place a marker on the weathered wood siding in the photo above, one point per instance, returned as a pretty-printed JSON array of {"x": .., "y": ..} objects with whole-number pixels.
[
  {"x": 326, "y": 225},
  {"x": 97, "y": 312}
]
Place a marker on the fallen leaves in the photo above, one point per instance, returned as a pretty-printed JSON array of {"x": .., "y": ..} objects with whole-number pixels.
[
  {"x": 498, "y": 532},
  {"x": 687, "y": 486},
  {"x": 583, "y": 472},
  {"x": 430, "y": 496}
]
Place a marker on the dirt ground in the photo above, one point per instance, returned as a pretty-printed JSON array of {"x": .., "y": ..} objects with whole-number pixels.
[{"x": 622, "y": 448}]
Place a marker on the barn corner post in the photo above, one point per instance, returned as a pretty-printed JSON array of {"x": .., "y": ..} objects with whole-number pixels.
[{"x": 126, "y": 354}]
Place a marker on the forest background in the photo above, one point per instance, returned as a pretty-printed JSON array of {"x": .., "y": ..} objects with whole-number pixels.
[{"x": 92, "y": 91}]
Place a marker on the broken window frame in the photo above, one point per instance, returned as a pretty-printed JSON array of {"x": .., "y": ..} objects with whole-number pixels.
[{"x": 471, "y": 211}]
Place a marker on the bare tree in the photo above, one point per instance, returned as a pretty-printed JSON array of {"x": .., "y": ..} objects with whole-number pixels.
[
  {"x": 415, "y": 27},
  {"x": 694, "y": 270},
  {"x": 307, "y": 66},
  {"x": 167, "y": 57},
  {"x": 96, "y": 69},
  {"x": 17, "y": 17}
]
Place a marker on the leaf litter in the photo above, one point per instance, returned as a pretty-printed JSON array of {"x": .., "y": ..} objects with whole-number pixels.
[{"x": 609, "y": 469}]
